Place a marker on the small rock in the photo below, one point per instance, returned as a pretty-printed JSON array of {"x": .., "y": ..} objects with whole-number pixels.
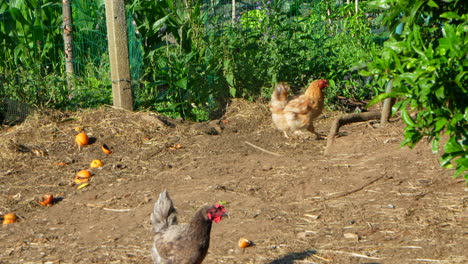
[
  {"x": 314, "y": 217},
  {"x": 391, "y": 206},
  {"x": 351, "y": 236}
]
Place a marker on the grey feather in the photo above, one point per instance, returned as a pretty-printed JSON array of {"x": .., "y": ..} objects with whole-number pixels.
[{"x": 164, "y": 214}]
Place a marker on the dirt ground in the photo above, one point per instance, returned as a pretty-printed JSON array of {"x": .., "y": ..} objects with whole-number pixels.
[{"x": 368, "y": 201}]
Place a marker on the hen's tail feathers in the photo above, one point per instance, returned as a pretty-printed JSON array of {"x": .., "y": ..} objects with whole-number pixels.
[
  {"x": 279, "y": 98},
  {"x": 164, "y": 213}
]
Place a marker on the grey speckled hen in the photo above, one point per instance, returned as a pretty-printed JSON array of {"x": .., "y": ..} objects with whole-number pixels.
[{"x": 176, "y": 243}]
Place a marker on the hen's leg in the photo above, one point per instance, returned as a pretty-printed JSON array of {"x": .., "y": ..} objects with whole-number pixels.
[{"x": 312, "y": 130}]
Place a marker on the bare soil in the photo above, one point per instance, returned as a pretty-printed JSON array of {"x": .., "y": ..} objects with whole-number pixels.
[{"x": 368, "y": 201}]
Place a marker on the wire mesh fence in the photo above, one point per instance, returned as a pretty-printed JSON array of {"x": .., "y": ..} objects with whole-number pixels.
[{"x": 226, "y": 47}]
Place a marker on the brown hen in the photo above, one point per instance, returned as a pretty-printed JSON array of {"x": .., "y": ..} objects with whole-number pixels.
[{"x": 298, "y": 113}]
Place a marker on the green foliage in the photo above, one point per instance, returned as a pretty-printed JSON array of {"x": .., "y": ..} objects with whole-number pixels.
[
  {"x": 428, "y": 65},
  {"x": 195, "y": 56},
  {"x": 32, "y": 60},
  {"x": 29, "y": 32},
  {"x": 279, "y": 41},
  {"x": 32, "y": 86},
  {"x": 184, "y": 77}
]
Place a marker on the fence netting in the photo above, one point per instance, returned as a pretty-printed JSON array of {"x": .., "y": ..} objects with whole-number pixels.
[{"x": 32, "y": 63}]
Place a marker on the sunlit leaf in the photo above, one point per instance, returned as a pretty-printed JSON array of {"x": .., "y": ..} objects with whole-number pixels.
[
  {"x": 450, "y": 15},
  {"x": 407, "y": 118}
]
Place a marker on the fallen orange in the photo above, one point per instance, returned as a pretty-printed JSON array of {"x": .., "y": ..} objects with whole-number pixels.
[
  {"x": 243, "y": 243},
  {"x": 9, "y": 218},
  {"x": 82, "y": 186},
  {"x": 106, "y": 149},
  {"x": 79, "y": 180},
  {"x": 83, "y": 174},
  {"x": 176, "y": 146},
  {"x": 96, "y": 163},
  {"x": 82, "y": 139},
  {"x": 47, "y": 200}
]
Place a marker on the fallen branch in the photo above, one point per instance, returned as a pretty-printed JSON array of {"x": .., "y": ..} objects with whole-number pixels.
[
  {"x": 384, "y": 116},
  {"x": 262, "y": 149},
  {"x": 347, "y": 119}
]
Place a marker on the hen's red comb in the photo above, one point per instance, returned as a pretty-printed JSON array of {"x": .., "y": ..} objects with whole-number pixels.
[{"x": 220, "y": 207}]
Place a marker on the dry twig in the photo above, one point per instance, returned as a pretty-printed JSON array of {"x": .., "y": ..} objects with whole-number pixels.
[{"x": 262, "y": 149}]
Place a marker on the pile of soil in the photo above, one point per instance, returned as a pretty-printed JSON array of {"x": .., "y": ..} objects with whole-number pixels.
[{"x": 367, "y": 201}]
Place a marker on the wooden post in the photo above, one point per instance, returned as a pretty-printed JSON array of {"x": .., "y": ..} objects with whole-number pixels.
[
  {"x": 118, "y": 54},
  {"x": 68, "y": 41},
  {"x": 387, "y": 105},
  {"x": 356, "y": 5},
  {"x": 233, "y": 14}
]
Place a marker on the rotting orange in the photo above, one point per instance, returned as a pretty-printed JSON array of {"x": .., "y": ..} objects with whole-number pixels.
[
  {"x": 82, "y": 139},
  {"x": 83, "y": 174},
  {"x": 243, "y": 243},
  {"x": 79, "y": 180},
  {"x": 82, "y": 186},
  {"x": 96, "y": 164},
  {"x": 47, "y": 200},
  {"x": 176, "y": 146},
  {"x": 106, "y": 149},
  {"x": 9, "y": 218}
]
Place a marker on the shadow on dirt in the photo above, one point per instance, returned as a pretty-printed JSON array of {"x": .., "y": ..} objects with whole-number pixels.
[{"x": 291, "y": 257}]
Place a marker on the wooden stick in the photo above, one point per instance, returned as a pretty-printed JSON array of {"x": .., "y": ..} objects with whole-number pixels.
[
  {"x": 347, "y": 119},
  {"x": 117, "y": 210},
  {"x": 262, "y": 149}
]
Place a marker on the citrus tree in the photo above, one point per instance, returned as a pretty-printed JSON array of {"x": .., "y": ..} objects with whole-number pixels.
[{"x": 426, "y": 57}]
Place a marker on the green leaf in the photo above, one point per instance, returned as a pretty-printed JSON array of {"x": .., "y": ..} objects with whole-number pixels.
[
  {"x": 440, "y": 93},
  {"x": 445, "y": 160},
  {"x": 435, "y": 144},
  {"x": 461, "y": 168},
  {"x": 182, "y": 83},
  {"x": 463, "y": 162},
  {"x": 431, "y": 3},
  {"x": 230, "y": 79},
  {"x": 460, "y": 77},
  {"x": 382, "y": 97},
  {"x": 17, "y": 15},
  {"x": 232, "y": 91},
  {"x": 440, "y": 124},
  {"x": 159, "y": 23},
  {"x": 450, "y": 15},
  {"x": 407, "y": 118},
  {"x": 452, "y": 146},
  {"x": 381, "y": 4}
]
